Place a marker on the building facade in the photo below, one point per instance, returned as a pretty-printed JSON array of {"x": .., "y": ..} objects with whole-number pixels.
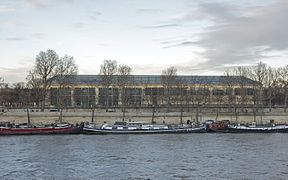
[{"x": 142, "y": 90}]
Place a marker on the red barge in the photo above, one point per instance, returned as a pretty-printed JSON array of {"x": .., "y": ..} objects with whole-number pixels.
[{"x": 53, "y": 129}]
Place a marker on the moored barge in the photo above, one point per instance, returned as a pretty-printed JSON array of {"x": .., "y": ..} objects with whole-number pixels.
[
  {"x": 226, "y": 127},
  {"x": 33, "y": 130},
  {"x": 257, "y": 129},
  {"x": 139, "y": 128}
]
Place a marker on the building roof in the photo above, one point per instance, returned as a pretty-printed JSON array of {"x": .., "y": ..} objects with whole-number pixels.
[{"x": 156, "y": 79}]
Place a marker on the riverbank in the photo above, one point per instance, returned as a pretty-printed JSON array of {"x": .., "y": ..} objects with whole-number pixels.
[{"x": 101, "y": 116}]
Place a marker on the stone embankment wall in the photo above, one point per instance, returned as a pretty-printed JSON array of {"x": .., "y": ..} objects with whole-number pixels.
[{"x": 77, "y": 116}]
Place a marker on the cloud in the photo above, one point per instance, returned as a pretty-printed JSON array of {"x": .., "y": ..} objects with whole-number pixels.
[
  {"x": 149, "y": 11},
  {"x": 170, "y": 44},
  {"x": 104, "y": 44},
  {"x": 39, "y": 36},
  {"x": 47, "y": 3},
  {"x": 37, "y": 3},
  {"x": 238, "y": 34},
  {"x": 5, "y": 8},
  {"x": 12, "y": 75},
  {"x": 94, "y": 15},
  {"x": 68, "y": 1},
  {"x": 158, "y": 26},
  {"x": 18, "y": 73},
  {"x": 219, "y": 12},
  {"x": 16, "y": 38},
  {"x": 78, "y": 25}
]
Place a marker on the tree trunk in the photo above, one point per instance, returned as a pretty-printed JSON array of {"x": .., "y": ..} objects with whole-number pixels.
[
  {"x": 181, "y": 115},
  {"x": 270, "y": 100},
  {"x": 93, "y": 113},
  {"x": 217, "y": 113},
  {"x": 107, "y": 99},
  {"x": 153, "y": 109},
  {"x": 197, "y": 114},
  {"x": 42, "y": 105},
  {"x": 61, "y": 115},
  {"x": 123, "y": 111},
  {"x": 242, "y": 104},
  {"x": 43, "y": 100},
  {"x": 254, "y": 112},
  {"x": 285, "y": 101}
]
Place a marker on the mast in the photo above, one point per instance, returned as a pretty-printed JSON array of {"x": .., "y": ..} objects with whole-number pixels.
[
  {"x": 28, "y": 117},
  {"x": 93, "y": 113}
]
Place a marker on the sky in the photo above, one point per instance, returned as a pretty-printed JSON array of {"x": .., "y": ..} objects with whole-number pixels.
[{"x": 199, "y": 37}]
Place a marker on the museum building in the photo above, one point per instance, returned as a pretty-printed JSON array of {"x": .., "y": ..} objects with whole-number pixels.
[{"x": 140, "y": 90}]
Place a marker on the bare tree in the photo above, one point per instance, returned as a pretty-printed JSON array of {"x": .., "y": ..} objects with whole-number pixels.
[
  {"x": 34, "y": 84},
  {"x": 200, "y": 96},
  {"x": 283, "y": 79},
  {"x": 18, "y": 96},
  {"x": 124, "y": 72},
  {"x": 241, "y": 91},
  {"x": 168, "y": 80},
  {"x": 259, "y": 74},
  {"x": 270, "y": 83},
  {"x": 230, "y": 96},
  {"x": 181, "y": 95},
  {"x": 2, "y": 91},
  {"x": 150, "y": 98},
  {"x": 2, "y": 84},
  {"x": 108, "y": 70},
  {"x": 65, "y": 71},
  {"x": 43, "y": 70}
]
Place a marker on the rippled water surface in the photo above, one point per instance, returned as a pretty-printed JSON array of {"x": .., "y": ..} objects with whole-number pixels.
[{"x": 170, "y": 156}]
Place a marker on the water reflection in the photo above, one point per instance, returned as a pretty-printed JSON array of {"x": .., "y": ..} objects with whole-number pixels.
[{"x": 163, "y": 156}]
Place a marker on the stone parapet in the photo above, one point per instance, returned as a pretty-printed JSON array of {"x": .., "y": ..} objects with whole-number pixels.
[{"x": 77, "y": 116}]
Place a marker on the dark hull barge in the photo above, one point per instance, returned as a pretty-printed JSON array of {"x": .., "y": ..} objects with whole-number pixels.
[
  {"x": 67, "y": 129},
  {"x": 226, "y": 127}
]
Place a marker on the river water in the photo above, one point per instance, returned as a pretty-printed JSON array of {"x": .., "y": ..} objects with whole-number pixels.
[{"x": 170, "y": 156}]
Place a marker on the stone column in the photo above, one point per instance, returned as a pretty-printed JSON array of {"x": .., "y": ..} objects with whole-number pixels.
[
  {"x": 72, "y": 97},
  {"x": 96, "y": 95},
  {"x": 119, "y": 96},
  {"x": 142, "y": 95}
]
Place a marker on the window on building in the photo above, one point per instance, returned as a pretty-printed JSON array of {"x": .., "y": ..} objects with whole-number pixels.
[
  {"x": 200, "y": 91},
  {"x": 237, "y": 91},
  {"x": 229, "y": 91},
  {"x": 132, "y": 96},
  {"x": 244, "y": 91},
  {"x": 154, "y": 91},
  {"x": 218, "y": 92},
  {"x": 108, "y": 96},
  {"x": 177, "y": 91},
  {"x": 250, "y": 91},
  {"x": 60, "y": 97},
  {"x": 84, "y": 97}
]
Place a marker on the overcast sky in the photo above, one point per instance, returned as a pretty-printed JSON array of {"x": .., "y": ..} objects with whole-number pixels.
[{"x": 199, "y": 37}]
